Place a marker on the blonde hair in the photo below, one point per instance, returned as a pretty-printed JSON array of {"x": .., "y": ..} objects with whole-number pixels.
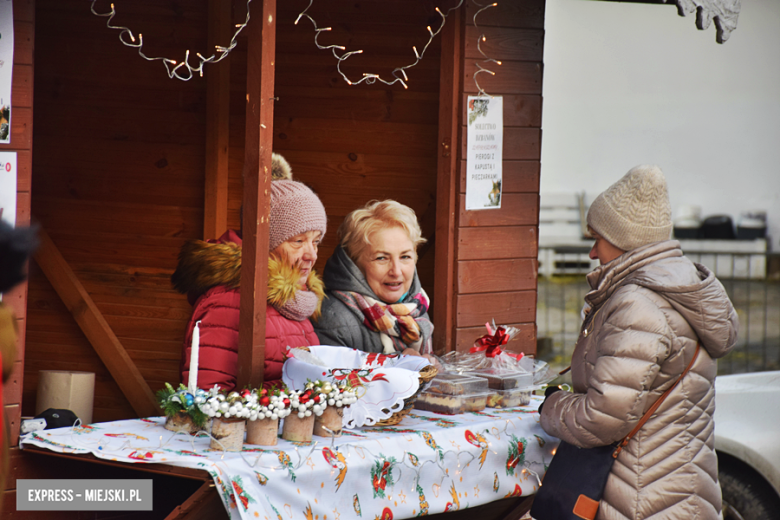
[{"x": 356, "y": 230}]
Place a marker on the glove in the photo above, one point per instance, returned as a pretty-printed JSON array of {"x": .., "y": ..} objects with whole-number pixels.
[{"x": 550, "y": 390}]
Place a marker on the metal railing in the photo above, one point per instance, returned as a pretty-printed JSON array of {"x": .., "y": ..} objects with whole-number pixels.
[{"x": 752, "y": 283}]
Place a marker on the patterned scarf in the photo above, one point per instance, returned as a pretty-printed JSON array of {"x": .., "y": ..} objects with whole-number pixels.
[{"x": 400, "y": 325}]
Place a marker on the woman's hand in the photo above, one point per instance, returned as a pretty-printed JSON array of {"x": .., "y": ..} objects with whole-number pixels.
[
  {"x": 550, "y": 390},
  {"x": 429, "y": 357}
]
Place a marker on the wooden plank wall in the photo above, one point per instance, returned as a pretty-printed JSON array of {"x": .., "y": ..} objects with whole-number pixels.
[
  {"x": 118, "y": 185},
  {"x": 21, "y": 143},
  {"x": 497, "y": 249},
  {"x": 119, "y": 159},
  {"x": 119, "y": 162},
  {"x": 351, "y": 144}
]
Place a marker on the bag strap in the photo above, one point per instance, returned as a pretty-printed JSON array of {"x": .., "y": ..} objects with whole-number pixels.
[{"x": 655, "y": 406}]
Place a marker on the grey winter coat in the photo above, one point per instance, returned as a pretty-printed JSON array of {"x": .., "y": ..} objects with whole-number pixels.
[
  {"x": 340, "y": 324},
  {"x": 649, "y": 307}
]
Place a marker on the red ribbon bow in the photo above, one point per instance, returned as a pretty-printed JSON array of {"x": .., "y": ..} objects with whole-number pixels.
[{"x": 492, "y": 344}]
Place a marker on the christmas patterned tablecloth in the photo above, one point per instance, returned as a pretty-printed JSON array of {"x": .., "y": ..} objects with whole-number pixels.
[{"x": 427, "y": 464}]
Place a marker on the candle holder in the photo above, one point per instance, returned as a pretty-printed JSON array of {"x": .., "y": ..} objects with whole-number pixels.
[
  {"x": 182, "y": 409},
  {"x": 310, "y": 404},
  {"x": 336, "y": 397},
  {"x": 297, "y": 428},
  {"x": 227, "y": 433},
  {"x": 267, "y": 408},
  {"x": 305, "y": 405},
  {"x": 229, "y": 413}
]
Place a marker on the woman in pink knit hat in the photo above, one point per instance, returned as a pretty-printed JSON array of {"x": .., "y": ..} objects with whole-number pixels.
[{"x": 209, "y": 273}]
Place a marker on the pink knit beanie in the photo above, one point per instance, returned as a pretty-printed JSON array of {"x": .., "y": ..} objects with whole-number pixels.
[{"x": 295, "y": 209}]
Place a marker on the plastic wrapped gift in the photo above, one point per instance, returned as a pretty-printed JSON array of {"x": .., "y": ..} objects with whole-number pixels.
[
  {"x": 509, "y": 398},
  {"x": 385, "y": 384},
  {"x": 502, "y": 379},
  {"x": 452, "y": 404},
  {"x": 455, "y": 384},
  {"x": 487, "y": 354}
]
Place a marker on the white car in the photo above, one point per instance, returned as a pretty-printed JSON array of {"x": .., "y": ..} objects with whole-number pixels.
[{"x": 747, "y": 440}]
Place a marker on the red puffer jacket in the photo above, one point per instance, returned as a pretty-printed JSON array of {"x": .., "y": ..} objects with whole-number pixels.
[{"x": 209, "y": 272}]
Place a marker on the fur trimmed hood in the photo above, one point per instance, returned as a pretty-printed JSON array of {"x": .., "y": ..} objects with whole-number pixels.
[{"x": 203, "y": 265}]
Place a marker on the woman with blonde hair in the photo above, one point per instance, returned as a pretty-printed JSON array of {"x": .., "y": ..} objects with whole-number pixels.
[{"x": 375, "y": 302}]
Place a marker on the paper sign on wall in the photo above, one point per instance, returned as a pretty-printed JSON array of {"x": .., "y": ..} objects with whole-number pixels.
[
  {"x": 8, "y": 186},
  {"x": 485, "y": 139},
  {"x": 6, "y": 67}
]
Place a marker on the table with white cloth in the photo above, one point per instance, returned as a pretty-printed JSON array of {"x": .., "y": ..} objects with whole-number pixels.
[{"x": 429, "y": 463}]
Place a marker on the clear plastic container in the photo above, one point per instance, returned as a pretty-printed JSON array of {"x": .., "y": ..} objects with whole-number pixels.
[
  {"x": 505, "y": 380},
  {"x": 509, "y": 398},
  {"x": 451, "y": 404},
  {"x": 454, "y": 384}
]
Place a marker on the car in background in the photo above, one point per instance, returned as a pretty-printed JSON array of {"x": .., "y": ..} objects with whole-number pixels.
[{"x": 747, "y": 441}]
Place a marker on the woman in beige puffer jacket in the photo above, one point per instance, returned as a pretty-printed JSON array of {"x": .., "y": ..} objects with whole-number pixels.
[{"x": 648, "y": 308}]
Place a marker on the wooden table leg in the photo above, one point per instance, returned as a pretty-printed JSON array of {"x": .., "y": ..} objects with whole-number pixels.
[{"x": 203, "y": 504}]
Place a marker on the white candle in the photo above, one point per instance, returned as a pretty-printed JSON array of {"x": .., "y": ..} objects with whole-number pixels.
[{"x": 193, "y": 382}]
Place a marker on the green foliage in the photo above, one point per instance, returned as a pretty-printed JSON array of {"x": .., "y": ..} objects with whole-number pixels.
[{"x": 172, "y": 401}]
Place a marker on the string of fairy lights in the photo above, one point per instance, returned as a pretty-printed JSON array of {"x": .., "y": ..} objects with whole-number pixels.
[
  {"x": 480, "y": 39},
  {"x": 303, "y": 455},
  {"x": 399, "y": 73},
  {"x": 184, "y": 70}
]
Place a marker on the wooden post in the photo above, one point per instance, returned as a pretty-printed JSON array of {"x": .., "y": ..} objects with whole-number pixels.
[
  {"x": 217, "y": 123},
  {"x": 261, "y": 53},
  {"x": 447, "y": 179}
]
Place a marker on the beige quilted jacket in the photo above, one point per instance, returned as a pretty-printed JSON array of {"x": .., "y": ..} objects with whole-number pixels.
[{"x": 649, "y": 307}]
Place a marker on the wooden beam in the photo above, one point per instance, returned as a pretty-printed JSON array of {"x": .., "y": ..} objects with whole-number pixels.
[
  {"x": 95, "y": 328},
  {"x": 217, "y": 123},
  {"x": 447, "y": 178},
  {"x": 203, "y": 504},
  {"x": 261, "y": 56}
]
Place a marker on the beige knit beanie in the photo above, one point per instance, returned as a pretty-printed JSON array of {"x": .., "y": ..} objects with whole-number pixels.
[{"x": 635, "y": 211}]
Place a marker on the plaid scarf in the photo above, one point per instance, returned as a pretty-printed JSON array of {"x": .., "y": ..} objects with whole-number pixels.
[{"x": 401, "y": 325}]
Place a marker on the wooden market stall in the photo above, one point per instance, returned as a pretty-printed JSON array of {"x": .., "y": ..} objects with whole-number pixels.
[{"x": 120, "y": 165}]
